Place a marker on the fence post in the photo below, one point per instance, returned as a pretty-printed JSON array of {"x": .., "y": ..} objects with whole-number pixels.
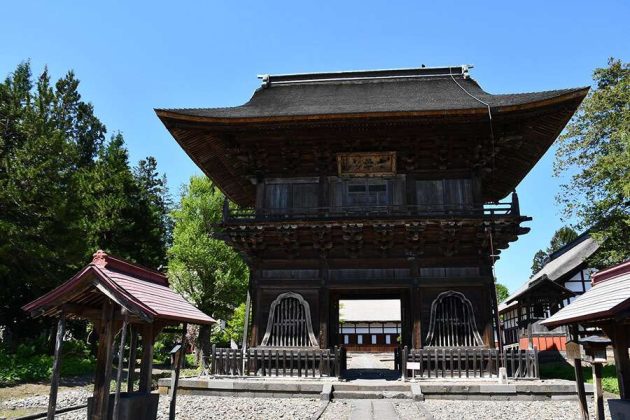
[
  {"x": 403, "y": 362},
  {"x": 213, "y": 360},
  {"x": 337, "y": 363}
]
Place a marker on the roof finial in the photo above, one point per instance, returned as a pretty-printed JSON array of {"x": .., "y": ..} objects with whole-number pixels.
[{"x": 99, "y": 258}]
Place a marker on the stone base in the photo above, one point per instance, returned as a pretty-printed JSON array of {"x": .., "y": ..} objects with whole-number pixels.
[{"x": 376, "y": 389}]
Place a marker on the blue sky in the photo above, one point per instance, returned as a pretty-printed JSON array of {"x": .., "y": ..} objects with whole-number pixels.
[{"x": 133, "y": 56}]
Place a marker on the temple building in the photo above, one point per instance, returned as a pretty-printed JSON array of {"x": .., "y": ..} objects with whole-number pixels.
[
  {"x": 384, "y": 184},
  {"x": 565, "y": 275},
  {"x": 369, "y": 325}
]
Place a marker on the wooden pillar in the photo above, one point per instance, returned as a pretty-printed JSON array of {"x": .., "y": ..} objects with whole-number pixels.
[
  {"x": 175, "y": 378},
  {"x": 598, "y": 391},
  {"x": 257, "y": 318},
  {"x": 104, "y": 361},
  {"x": 324, "y": 314},
  {"x": 146, "y": 366},
  {"x": 121, "y": 358},
  {"x": 54, "y": 380},
  {"x": 131, "y": 367},
  {"x": 579, "y": 376},
  {"x": 248, "y": 305},
  {"x": 519, "y": 314},
  {"x": 622, "y": 362},
  {"x": 497, "y": 320},
  {"x": 333, "y": 302},
  {"x": 416, "y": 316}
]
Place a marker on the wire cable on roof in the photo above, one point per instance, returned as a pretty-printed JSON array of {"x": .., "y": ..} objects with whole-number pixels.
[{"x": 489, "y": 116}]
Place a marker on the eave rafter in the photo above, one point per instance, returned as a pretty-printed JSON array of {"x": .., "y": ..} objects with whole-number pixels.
[{"x": 364, "y": 239}]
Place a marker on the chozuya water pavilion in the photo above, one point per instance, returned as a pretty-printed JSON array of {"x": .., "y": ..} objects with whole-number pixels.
[{"x": 382, "y": 184}]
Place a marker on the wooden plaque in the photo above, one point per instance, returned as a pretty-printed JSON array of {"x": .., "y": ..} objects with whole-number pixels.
[
  {"x": 573, "y": 350},
  {"x": 366, "y": 164}
]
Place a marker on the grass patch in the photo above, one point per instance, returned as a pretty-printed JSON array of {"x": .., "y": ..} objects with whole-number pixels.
[
  {"x": 563, "y": 370},
  {"x": 26, "y": 365}
]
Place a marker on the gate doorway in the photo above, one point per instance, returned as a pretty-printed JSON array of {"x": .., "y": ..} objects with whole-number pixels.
[{"x": 371, "y": 328}]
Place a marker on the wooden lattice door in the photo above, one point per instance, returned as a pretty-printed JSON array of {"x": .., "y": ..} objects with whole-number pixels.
[
  {"x": 289, "y": 323},
  {"x": 453, "y": 322}
]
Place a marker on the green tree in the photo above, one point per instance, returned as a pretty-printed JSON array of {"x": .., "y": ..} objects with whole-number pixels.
[
  {"x": 64, "y": 192},
  {"x": 233, "y": 329},
  {"x": 204, "y": 269},
  {"x": 560, "y": 238},
  {"x": 595, "y": 151},
  {"x": 502, "y": 292},
  {"x": 40, "y": 198}
]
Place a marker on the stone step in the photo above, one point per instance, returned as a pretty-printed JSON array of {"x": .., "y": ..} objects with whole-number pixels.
[
  {"x": 373, "y": 410},
  {"x": 371, "y": 395},
  {"x": 349, "y": 386}
]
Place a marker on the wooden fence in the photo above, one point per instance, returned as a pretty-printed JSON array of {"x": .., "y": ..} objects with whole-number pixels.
[
  {"x": 468, "y": 363},
  {"x": 277, "y": 362}
]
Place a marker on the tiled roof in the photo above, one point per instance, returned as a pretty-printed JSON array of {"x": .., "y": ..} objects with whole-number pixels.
[
  {"x": 566, "y": 260},
  {"x": 603, "y": 301},
  {"x": 406, "y": 90},
  {"x": 145, "y": 293},
  {"x": 369, "y": 310}
]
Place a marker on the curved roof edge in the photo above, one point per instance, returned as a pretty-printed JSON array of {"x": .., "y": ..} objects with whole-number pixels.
[{"x": 240, "y": 114}]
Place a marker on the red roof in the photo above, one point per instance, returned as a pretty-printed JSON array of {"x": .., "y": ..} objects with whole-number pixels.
[
  {"x": 142, "y": 291},
  {"x": 608, "y": 299}
]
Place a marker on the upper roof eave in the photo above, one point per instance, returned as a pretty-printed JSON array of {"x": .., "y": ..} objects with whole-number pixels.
[{"x": 192, "y": 114}]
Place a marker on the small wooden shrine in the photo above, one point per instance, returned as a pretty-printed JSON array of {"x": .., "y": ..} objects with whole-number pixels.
[
  {"x": 117, "y": 296},
  {"x": 382, "y": 184},
  {"x": 607, "y": 306}
]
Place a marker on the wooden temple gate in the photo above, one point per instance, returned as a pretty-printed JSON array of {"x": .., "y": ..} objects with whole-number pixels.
[
  {"x": 119, "y": 297},
  {"x": 381, "y": 183}
]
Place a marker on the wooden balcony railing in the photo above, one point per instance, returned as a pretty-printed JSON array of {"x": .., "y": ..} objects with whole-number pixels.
[{"x": 360, "y": 212}]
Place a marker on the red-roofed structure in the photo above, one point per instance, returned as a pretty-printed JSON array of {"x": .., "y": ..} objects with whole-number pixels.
[
  {"x": 142, "y": 291},
  {"x": 115, "y": 294},
  {"x": 605, "y": 305}
]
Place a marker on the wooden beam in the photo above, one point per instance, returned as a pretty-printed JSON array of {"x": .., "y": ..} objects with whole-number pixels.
[
  {"x": 131, "y": 367},
  {"x": 121, "y": 354},
  {"x": 175, "y": 378},
  {"x": 54, "y": 380},
  {"x": 146, "y": 366},
  {"x": 104, "y": 363}
]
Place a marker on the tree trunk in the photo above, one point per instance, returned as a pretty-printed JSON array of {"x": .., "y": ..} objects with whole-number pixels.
[{"x": 203, "y": 340}]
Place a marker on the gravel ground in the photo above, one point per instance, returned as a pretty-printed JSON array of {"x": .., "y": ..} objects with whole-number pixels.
[
  {"x": 207, "y": 407},
  {"x": 338, "y": 410},
  {"x": 64, "y": 399},
  {"x": 512, "y": 410}
]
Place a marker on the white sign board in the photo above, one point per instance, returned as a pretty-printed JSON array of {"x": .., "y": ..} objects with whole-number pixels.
[{"x": 413, "y": 365}]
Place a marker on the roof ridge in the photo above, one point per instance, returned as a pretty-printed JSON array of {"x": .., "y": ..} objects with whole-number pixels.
[{"x": 414, "y": 72}]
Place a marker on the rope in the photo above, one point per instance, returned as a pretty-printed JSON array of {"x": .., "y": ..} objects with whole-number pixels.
[{"x": 489, "y": 115}]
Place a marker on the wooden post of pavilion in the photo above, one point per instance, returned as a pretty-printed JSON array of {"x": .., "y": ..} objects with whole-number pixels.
[
  {"x": 146, "y": 365},
  {"x": 54, "y": 381},
  {"x": 131, "y": 367},
  {"x": 579, "y": 375},
  {"x": 175, "y": 377},
  {"x": 104, "y": 362},
  {"x": 121, "y": 353},
  {"x": 621, "y": 342}
]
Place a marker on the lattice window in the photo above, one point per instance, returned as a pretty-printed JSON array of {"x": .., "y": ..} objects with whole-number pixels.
[
  {"x": 453, "y": 322},
  {"x": 289, "y": 323}
]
